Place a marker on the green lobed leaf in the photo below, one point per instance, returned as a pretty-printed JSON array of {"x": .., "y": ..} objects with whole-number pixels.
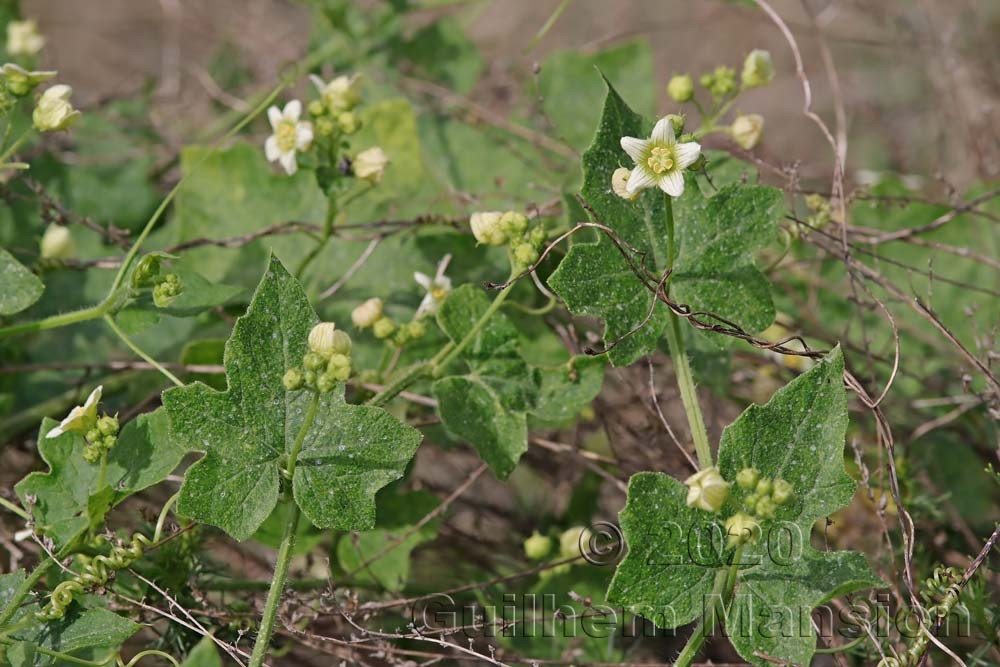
[
  {"x": 569, "y": 388},
  {"x": 348, "y": 453},
  {"x": 21, "y": 287},
  {"x": 66, "y": 498},
  {"x": 204, "y": 654},
  {"x": 797, "y": 436},
  {"x": 716, "y": 238},
  {"x": 486, "y": 406}
]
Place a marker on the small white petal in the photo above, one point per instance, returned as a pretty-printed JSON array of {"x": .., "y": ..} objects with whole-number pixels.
[
  {"x": 428, "y": 306},
  {"x": 288, "y": 162},
  {"x": 673, "y": 183},
  {"x": 318, "y": 82},
  {"x": 443, "y": 282},
  {"x": 271, "y": 149},
  {"x": 663, "y": 132},
  {"x": 274, "y": 116},
  {"x": 423, "y": 279},
  {"x": 56, "y": 432},
  {"x": 303, "y": 135},
  {"x": 687, "y": 153},
  {"x": 293, "y": 110},
  {"x": 636, "y": 148},
  {"x": 94, "y": 398},
  {"x": 639, "y": 179}
]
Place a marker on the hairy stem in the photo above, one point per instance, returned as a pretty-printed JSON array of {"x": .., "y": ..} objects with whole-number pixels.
[
  {"x": 56, "y": 321},
  {"x": 274, "y": 594},
  {"x": 682, "y": 367},
  {"x": 139, "y": 351},
  {"x": 719, "y": 598}
]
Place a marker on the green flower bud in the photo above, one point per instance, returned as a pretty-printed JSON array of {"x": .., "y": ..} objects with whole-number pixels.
[
  {"x": 782, "y": 492},
  {"x": 537, "y": 546},
  {"x": 720, "y": 82},
  {"x": 524, "y": 254},
  {"x": 91, "y": 454},
  {"x": 325, "y": 127},
  {"x": 384, "y": 327},
  {"x": 349, "y": 122},
  {"x": 416, "y": 329},
  {"x": 310, "y": 378},
  {"x": 747, "y": 478},
  {"x": 536, "y": 237},
  {"x": 750, "y": 502},
  {"x": 108, "y": 425},
  {"x": 339, "y": 374},
  {"x": 109, "y": 442},
  {"x": 341, "y": 342},
  {"x": 20, "y": 81},
  {"x": 765, "y": 508},
  {"x": 316, "y": 108},
  {"x": 94, "y": 435},
  {"x": 707, "y": 490},
  {"x": 292, "y": 379},
  {"x": 338, "y": 361},
  {"x": 574, "y": 541},
  {"x": 681, "y": 88},
  {"x": 146, "y": 271},
  {"x": 742, "y": 528},
  {"x": 764, "y": 487},
  {"x": 514, "y": 223},
  {"x": 325, "y": 383},
  {"x": 758, "y": 70},
  {"x": 312, "y": 361}
]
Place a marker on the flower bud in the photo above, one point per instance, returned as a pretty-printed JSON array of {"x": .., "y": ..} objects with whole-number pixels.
[
  {"x": 524, "y": 255},
  {"x": 93, "y": 435},
  {"x": 325, "y": 127},
  {"x": 337, "y": 361},
  {"x": 57, "y": 243},
  {"x": 20, "y": 81},
  {"x": 416, "y": 329},
  {"x": 322, "y": 339},
  {"x": 146, "y": 271},
  {"x": 325, "y": 383},
  {"x": 316, "y": 108},
  {"x": 486, "y": 227},
  {"x": 764, "y": 486},
  {"x": 367, "y": 314},
  {"x": 619, "y": 184},
  {"x": 574, "y": 542},
  {"x": 707, "y": 490},
  {"x": 370, "y": 164},
  {"x": 341, "y": 94},
  {"x": 765, "y": 507},
  {"x": 537, "y": 546},
  {"x": 107, "y": 425},
  {"x": 747, "y": 478},
  {"x": 349, "y": 122},
  {"x": 167, "y": 290},
  {"x": 23, "y": 38},
  {"x": 720, "y": 82},
  {"x": 782, "y": 492},
  {"x": 293, "y": 379},
  {"x": 681, "y": 88},
  {"x": 383, "y": 328},
  {"x": 677, "y": 123},
  {"x": 742, "y": 528},
  {"x": 312, "y": 362},
  {"x": 54, "y": 111},
  {"x": 514, "y": 223},
  {"x": 91, "y": 454},
  {"x": 747, "y": 130},
  {"x": 758, "y": 70}
]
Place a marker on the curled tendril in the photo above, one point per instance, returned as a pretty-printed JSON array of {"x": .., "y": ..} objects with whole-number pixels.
[{"x": 96, "y": 573}]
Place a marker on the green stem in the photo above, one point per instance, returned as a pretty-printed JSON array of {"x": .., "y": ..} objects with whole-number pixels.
[
  {"x": 162, "y": 519},
  {"x": 14, "y": 146},
  {"x": 56, "y": 321},
  {"x": 103, "y": 471},
  {"x": 331, "y": 214},
  {"x": 263, "y": 642},
  {"x": 722, "y": 593},
  {"x": 139, "y": 351},
  {"x": 682, "y": 367},
  {"x": 150, "y": 652},
  {"x": 66, "y": 657},
  {"x": 14, "y": 603},
  {"x": 446, "y": 356},
  {"x": 13, "y": 508}
]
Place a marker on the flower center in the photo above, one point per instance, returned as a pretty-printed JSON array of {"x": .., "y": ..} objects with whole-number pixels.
[
  {"x": 660, "y": 160},
  {"x": 438, "y": 293},
  {"x": 286, "y": 136}
]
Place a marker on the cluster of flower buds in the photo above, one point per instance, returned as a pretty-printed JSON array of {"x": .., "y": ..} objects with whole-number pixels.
[
  {"x": 165, "y": 287},
  {"x": 511, "y": 229},
  {"x": 101, "y": 433},
  {"x": 326, "y": 364},
  {"x": 765, "y": 495},
  {"x": 370, "y": 315},
  {"x": 720, "y": 82},
  {"x": 334, "y": 112}
]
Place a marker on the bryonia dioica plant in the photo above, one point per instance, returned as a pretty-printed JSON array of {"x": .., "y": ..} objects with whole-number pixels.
[{"x": 419, "y": 314}]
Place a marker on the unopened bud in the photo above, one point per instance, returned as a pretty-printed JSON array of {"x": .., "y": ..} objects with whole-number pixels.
[
  {"x": 574, "y": 541},
  {"x": 107, "y": 425},
  {"x": 747, "y": 478},
  {"x": 782, "y": 492},
  {"x": 383, "y": 328},
  {"x": 514, "y": 223},
  {"x": 681, "y": 88},
  {"x": 758, "y": 70},
  {"x": 742, "y": 528},
  {"x": 486, "y": 227},
  {"x": 747, "y": 130},
  {"x": 322, "y": 339},
  {"x": 707, "y": 490},
  {"x": 54, "y": 111},
  {"x": 293, "y": 379},
  {"x": 537, "y": 546},
  {"x": 367, "y": 314},
  {"x": 57, "y": 243},
  {"x": 619, "y": 184}
]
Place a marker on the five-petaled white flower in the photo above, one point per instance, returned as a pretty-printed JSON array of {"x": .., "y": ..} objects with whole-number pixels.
[
  {"x": 80, "y": 419},
  {"x": 437, "y": 288},
  {"x": 291, "y": 135},
  {"x": 660, "y": 160}
]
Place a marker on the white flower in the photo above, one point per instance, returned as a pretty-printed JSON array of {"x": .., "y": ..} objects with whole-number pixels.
[
  {"x": 54, "y": 110},
  {"x": 707, "y": 490},
  {"x": 291, "y": 135},
  {"x": 659, "y": 160},
  {"x": 20, "y": 81},
  {"x": 486, "y": 227},
  {"x": 57, "y": 243},
  {"x": 370, "y": 164},
  {"x": 437, "y": 288},
  {"x": 80, "y": 419},
  {"x": 340, "y": 94},
  {"x": 23, "y": 38}
]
